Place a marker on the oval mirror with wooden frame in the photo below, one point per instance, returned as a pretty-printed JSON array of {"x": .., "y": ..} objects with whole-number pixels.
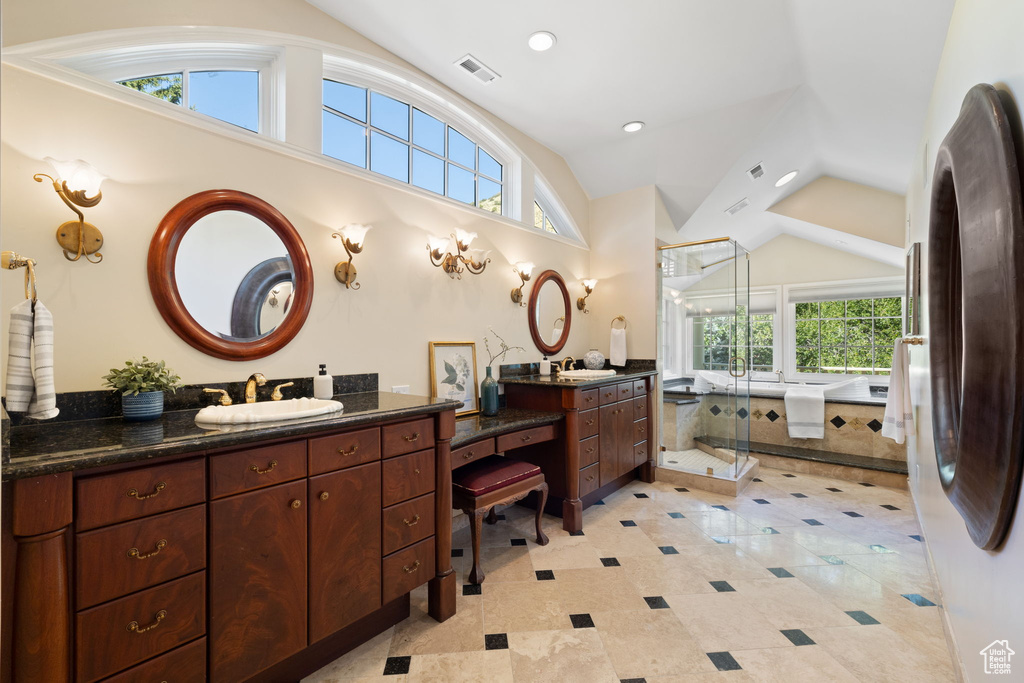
[
  {"x": 206, "y": 273},
  {"x": 550, "y": 313}
]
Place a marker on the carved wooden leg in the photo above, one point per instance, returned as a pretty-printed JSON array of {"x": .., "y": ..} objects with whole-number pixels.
[
  {"x": 542, "y": 499},
  {"x": 492, "y": 517},
  {"x": 476, "y": 528}
]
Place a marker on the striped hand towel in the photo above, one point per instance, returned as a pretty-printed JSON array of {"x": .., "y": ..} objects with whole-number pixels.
[
  {"x": 30, "y": 362},
  {"x": 899, "y": 409}
]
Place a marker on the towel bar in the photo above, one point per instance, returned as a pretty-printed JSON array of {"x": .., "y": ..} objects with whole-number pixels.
[{"x": 916, "y": 341}]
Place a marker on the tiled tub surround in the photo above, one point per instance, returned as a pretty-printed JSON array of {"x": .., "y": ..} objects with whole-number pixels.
[{"x": 664, "y": 586}]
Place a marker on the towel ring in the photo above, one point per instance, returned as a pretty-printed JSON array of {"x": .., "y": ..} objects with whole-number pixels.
[
  {"x": 559, "y": 320},
  {"x": 618, "y": 318}
]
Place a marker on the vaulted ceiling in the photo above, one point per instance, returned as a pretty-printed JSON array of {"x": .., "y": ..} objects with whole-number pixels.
[{"x": 827, "y": 87}]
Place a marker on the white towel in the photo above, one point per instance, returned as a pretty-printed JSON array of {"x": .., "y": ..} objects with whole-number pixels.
[
  {"x": 30, "y": 362},
  {"x": 556, "y": 334},
  {"x": 617, "y": 347},
  {"x": 805, "y": 412},
  {"x": 899, "y": 411}
]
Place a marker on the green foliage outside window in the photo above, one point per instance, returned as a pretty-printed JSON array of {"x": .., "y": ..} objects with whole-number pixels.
[
  {"x": 166, "y": 87},
  {"x": 853, "y": 336},
  {"x": 725, "y": 336}
]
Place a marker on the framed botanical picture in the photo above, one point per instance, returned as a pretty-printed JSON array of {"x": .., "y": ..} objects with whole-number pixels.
[
  {"x": 453, "y": 374},
  {"x": 912, "y": 323}
]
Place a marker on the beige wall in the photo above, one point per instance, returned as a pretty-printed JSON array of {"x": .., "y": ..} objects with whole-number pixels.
[{"x": 980, "y": 589}]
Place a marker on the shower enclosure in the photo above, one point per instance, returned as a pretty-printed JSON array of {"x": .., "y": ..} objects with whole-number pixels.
[{"x": 705, "y": 349}]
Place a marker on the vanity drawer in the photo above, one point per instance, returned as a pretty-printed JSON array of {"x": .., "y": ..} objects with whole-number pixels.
[
  {"x": 407, "y": 569},
  {"x": 640, "y": 387},
  {"x": 590, "y": 451},
  {"x": 639, "y": 408},
  {"x": 163, "y": 617},
  {"x": 609, "y": 394},
  {"x": 524, "y": 437},
  {"x": 589, "y": 399},
  {"x": 589, "y": 423},
  {"x": 640, "y": 430},
  {"x": 121, "y": 559},
  {"x": 639, "y": 454},
  {"x": 256, "y": 468},
  {"x": 408, "y": 522},
  {"x": 467, "y": 454},
  {"x": 408, "y": 437},
  {"x": 408, "y": 476},
  {"x": 589, "y": 479},
  {"x": 117, "y": 497},
  {"x": 624, "y": 391},
  {"x": 329, "y": 453},
  {"x": 187, "y": 664}
]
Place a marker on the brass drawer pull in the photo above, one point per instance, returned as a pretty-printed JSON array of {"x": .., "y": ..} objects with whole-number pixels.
[
  {"x": 351, "y": 451},
  {"x": 412, "y": 522},
  {"x": 160, "y": 545},
  {"x": 296, "y": 504},
  {"x": 409, "y": 569},
  {"x": 527, "y": 438},
  {"x": 589, "y": 399},
  {"x": 590, "y": 478},
  {"x": 324, "y": 495},
  {"x": 590, "y": 450},
  {"x": 468, "y": 455},
  {"x": 416, "y": 471},
  {"x": 134, "y": 493},
  {"x": 590, "y": 422},
  {"x": 642, "y": 430},
  {"x": 412, "y": 438},
  {"x": 257, "y": 470},
  {"x": 134, "y": 625},
  {"x": 609, "y": 394}
]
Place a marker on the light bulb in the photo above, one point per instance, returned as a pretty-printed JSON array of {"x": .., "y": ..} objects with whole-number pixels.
[{"x": 355, "y": 233}]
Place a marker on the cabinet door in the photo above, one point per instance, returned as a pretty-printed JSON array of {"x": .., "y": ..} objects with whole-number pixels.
[
  {"x": 624, "y": 436},
  {"x": 344, "y": 548},
  {"x": 257, "y": 571},
  {"x": 608, "y": 443}
]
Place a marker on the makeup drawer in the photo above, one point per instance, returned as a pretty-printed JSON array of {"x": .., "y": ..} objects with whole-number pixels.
[
  {"x": 407, "y": 523},
  {"x": 467, "y": 454},
  {"x": 525, "y": 437},
  {"x": 111, "y": 498},
  {"x": 256, "y": 468},
  {"x": 329, "y": 453}
]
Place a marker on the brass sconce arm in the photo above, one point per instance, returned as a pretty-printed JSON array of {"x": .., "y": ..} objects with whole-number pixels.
[
  {"x": 524, "y": 271},
  {"x": 351, "y": 236},
  {"x": 77, "y": 237},
  {"x": 464, "y": 259},
  {"x": 588, "y": 287}
]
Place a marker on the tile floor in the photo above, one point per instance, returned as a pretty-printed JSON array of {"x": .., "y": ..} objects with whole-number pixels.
[{"x": 800, "y": 579}]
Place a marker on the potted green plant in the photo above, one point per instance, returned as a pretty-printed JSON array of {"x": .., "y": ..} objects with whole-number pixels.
[{"x": 142, "y": 385}]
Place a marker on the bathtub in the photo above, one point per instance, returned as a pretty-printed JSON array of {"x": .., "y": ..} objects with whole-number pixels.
[{"x": 855, "y": 388}]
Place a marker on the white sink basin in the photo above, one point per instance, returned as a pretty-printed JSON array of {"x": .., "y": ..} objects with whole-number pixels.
[
  {"x": 267, "y": 411},
  {"x": 586, "y": 374}
]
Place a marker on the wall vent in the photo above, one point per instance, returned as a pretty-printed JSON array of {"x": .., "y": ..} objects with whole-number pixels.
[
  {"x": 476, "y": 68},
  {"x": 738, "y": 206},
  {"x": 755, "y": 172}
]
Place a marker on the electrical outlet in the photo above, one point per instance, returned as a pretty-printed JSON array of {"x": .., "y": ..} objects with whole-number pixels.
[{"x": 400, "y": 389}]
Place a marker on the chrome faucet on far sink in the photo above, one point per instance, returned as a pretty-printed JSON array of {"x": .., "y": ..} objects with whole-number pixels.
[{"x": 255, "y": 379}]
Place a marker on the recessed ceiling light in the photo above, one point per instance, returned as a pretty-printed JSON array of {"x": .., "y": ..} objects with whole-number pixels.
[
  {"x": 786, "y": 178},
  {"x": 633, "y": 126},
  {"x": 541, "y": 40}
]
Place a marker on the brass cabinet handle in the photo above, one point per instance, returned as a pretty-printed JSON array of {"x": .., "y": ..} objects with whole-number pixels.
[
  {"x": 134, "y": 493},
  {"x": 134, "y": 625},
  {"x": 590, "y": 450},
  {"x": 416, "y": 471},
  {"x": 412, "y": 522},
  {"x": 296, "y": 504},
  {"x": 590, "y": 478},
  {"x": 468, "y": 455},
  {"x": 609, "y": 394},
  {"x": 589, "y": 399},
  {"x": 160, "y": 545},
  {"x": 642, "y": 430},
  {"x": 527, "y": 438},
  {"x": 257, "y": 470},
  {"x": 412, "y": 438},
  {"x": 409, "y": 569},
  {"x": 590, "y": 422},
  {"x": 323, "y": 495},
  {"x": 351, "y": 451}
]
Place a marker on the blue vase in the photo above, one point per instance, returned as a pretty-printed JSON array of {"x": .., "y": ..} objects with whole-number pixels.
[
  {"x": 146, "y": 405},
  {"x": 489, "y": 394}
]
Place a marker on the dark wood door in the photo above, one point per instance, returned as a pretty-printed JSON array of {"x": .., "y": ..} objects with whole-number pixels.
[
  {"x": 344, "y": 548},
  {"x": 624, "y": 436},
  {"x": 257, "y": 571},
  {"x": 608, "y": 444}
]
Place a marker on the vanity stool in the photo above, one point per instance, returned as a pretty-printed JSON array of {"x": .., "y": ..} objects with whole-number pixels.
[{"x": 495, "y": 480}]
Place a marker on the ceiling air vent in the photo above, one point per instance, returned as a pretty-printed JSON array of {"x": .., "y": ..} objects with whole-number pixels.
[
  {"x": 475, "y": 67},
  {"x": 738, "y": 206},
  {"x": 755, "y": 172}
]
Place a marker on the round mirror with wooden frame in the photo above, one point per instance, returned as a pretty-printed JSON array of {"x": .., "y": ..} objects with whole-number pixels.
[
  {"x": 550, "y": 313},
  {"x": 206, "y": 273}
]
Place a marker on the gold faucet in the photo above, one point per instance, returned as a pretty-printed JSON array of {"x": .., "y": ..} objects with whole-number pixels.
[
  {"x": 277, "y": 395},
  {"x": 567, "y": 359},
  {"x": 255, "y": 379}
]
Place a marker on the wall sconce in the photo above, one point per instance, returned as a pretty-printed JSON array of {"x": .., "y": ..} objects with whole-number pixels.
[
  {"x": 351, "y": 236},
  {"x": 447, "y": 254},
  {"x": 524, "y": 271},
  {"x": 581, "y": 303},
  {"x": 78, "y": 183}
]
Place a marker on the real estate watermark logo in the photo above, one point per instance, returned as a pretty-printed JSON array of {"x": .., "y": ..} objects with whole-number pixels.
[{"x": 997, "y": 657}]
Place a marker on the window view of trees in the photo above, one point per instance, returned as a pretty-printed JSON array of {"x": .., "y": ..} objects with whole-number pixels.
[
  {"x": 541, "y": 221},
  {"x": 853, "y": 336},
  {"x": 166, "y": 87},
  {"x": 231, "y": 96},
  {"x": 725, "y": 337}
]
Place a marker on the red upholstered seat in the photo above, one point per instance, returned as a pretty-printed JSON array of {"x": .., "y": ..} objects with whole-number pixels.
[{"x": 491, "y": 473}]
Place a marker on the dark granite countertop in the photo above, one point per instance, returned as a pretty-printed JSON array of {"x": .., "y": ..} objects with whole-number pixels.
[
  {"x": 469, "y": 429},
  {"x": 552, "y": 380},
  {"x": 48, "y": 448}
]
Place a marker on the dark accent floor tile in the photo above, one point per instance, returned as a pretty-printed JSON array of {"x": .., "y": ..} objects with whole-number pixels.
[
  {"x": 640, "y": 495},
  {"x": 917, "y": 537},
  {"x": 610, "y": 561},
  {"x": 627, "y": 522},
  {"x": 797, "y": 637},
  {"x": 496, "y": 641},
  {"x": 395, "y": 666},
  {"x": 875, "y": 425},
  {"x": 742, "y": 412},
  {"x": 918, "y": 599},
  {"x": 758, "y": 481},
  {"x": 576, "y": 533},
  {"x": 719, "y": 507},
  {"x": 772, "y": 415},
  {"x": 791, "y": 476},
  {"x": 838, "y": 422},
  {"x": 722, "y": 586},
  {"x": 881, "y": 549},
  {"x": 632, "y": 680},
  {"x": 890, "y": 507},
  {"x": 798, "y": 495},
  {"x": 518, "y": 541},
  {"x": 600, "y": 502},
  {"x": 472, "y": 589},
  {"x": 668, "y": 550},
  {"x": 832, "y": 559},
  {"x": 813, "y": 522},
  {"x": 682, "y": 490},
  {"x": 864, "y": 483},
  {"x": 863, "y": 618},
  {"x": 834, "y": 490},
  {"x": 676, "y": 515},
  {"x": 761, "y": 501},
  {"x": 456, "y": 552},
  {"x": 545, "y": 575},
  {"x": 724, "y": 661},
  {"x": 769, "y": 530},
  {"x": 853, "y": 514},
  {"x": 780, "y": 572},
  {"x": 721, "y": 539},
  {"x": 656, "y": 602},
  {"x": 581, "y": 621}
]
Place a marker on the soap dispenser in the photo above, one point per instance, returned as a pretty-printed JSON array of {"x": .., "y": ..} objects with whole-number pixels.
[
  {"x": 323, "y": 384},
  {"x": 545, "y": 366}
]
